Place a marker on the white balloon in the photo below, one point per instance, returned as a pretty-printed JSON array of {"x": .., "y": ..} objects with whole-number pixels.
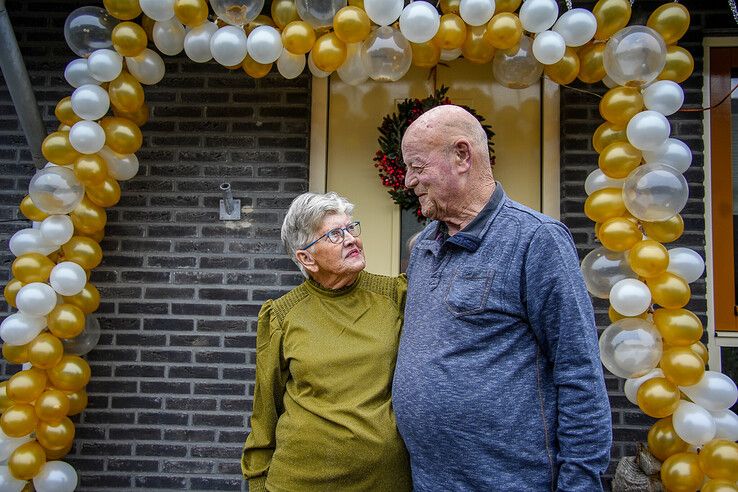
[
  {"x": 197, "y": 42},
  {"x": 290, "y": 65},
  {"x": 90, "y": 102},
  {"x": 78, "y": 74},
  {"x": 21, "y": 328},
  {"x": 693, "y": 423},
  {"x": 630, "y": 388},
  {"x": 419, "y": 22},
  {"x": 726, "y": 424},
  {"x": 67, "y": 278},
  {"x": 57, "y": 229},
  {"x": 597, "y": 180},
  {"x": 228, "y": 45},
  {"x": 9, "y": 444},
  {"x": 476, "y": 12},
  {"x": 30, "y": 241},
  {"x": 158, "y": 10},
  {"x": 664, "y": 96},
  {"x": 648, "y": 130},
  {"x": 577, "y": 26},
  {"x": 383, "y": 12},
  {"x": 686, "y": 263},
  {"x": 353, "y": 71},
  {"x": 549, "y": 47},
  {"x": 315, "y": 70},
  {"x": 538, "y": 15},
  {"x": 121, "y": 167},
  {"x": 105, "y": 65},
  {"x": 169, "y": 36},
  {"x": 609, "y": 83},
  {"x": 264, "y": 44},
  {"x": 56, "y": 476},
  {"x": 673, "y": 152},
  {"x": 87, "y": 137},
  {"x": 8, "y": 483},
  {"x": 715, "y": 391},
  {"x": 36, "y": 299},
  {"x": 630, "y": 297},
  {"x": 147, "y": 67},
  {"x": 448, "y": 55}
]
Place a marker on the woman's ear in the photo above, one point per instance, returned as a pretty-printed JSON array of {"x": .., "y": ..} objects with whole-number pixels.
[{"x": 306, "y": 260}]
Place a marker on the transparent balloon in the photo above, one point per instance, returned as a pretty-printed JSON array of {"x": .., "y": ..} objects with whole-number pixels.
[
  {"x": 237, "y": 12},
  {"x": 693, "y": 423},
  {"x": 517, "y": 70},
  {"x": 602, "y": 269},
  {"x": 85, "y": 341},
  {"x": 56, "y": 476},
  {"x": 386, "y": 54},
  {"x": 88, "y": 29},
  {"x": 290, "y": 65},
  {"x": 353, "y": 71},
  {"x": 630, "y": 387},
  {"x": 715, "y": 391},
  {"x": 654, "y": 192},
  {"x": 56, "y": 190},
  {"x": 686, "y": 263},
  {"x": 673, "y": 152},
  {"x": 597, "y": 180},
  {"x": 630, "y": 297},
  {"x": 319, "y": 13},
  {"x": 648, "y": 130},
  {"x": 419, "y": 22},
  {"x": 631, "y": 347},
  {"x": 635, "y": 56}
]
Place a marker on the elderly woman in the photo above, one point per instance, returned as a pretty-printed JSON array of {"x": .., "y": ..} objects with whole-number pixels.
[{"x": 325, "y": 356}]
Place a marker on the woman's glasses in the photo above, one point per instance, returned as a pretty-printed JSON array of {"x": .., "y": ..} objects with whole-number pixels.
[{"x": 336, "y": 235}]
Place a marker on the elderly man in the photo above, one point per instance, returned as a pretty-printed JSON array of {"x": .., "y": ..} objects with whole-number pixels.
[{"x": 498, "y": 384}]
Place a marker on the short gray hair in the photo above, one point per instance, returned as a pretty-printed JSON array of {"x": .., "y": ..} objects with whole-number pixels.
[{"x": 306, "y": 215}]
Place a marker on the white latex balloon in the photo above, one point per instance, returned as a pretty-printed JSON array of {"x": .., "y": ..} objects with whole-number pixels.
[
  {"x": 648, "y": 130},
  {"x": 57, "y": 229},
  {"x": 121, "y": 167},
  {"x": 631, "y": 347},
  {"x": 90, "y": 102},
  {"x": 8, "y": 483},
  {"x": 715, "y": 391},
  {"x": 264, "y": 44},
  {"x": 673, "y": 152},
  {"x": 693, "y": 423},
  {"x": 664, "y": 96},
  {"x": 78, "y": 74},
  {"x": 30, "y": 241},
  {"x": 315, "y": 70},
  {"x": 228, "y": 45},
  {"x": 686, "y": 263},
  {"x": 197, "y": 42},
  {"x": 353, "y": 71},
  {"x": 8, "y": 445},
  {"x": 549, "y": 47},
  {"x": 726, "y": 424},
  {"x": 597, "y": 180},
  {"x": 36, "y": 299},
  {"x": 630, "y": 297},
  {"x": 21, "y": 328},
  {"x": 158, "y": 10},
  {"x": 630, "y": 388},
  {"x": 538, "y": 15},
  {"x": 105, "y": 65},
  {"x": 476, "y": 12},
  {"x": 609, "y": 83},
  {"x": 169, "y": 36},
  {"x": 419, "y": 22},
  {"x": 147, "y": 67},
  {"x": 448, "y": 55},
  {"x": 67, "y": 278},
  {"x": 87, "y": 137},
  {"x": 290, "y": 65},
  {"x": 56, "y": 476},
  {"x": 383, "y": 12},
  {"x": 577, "y": 26}
]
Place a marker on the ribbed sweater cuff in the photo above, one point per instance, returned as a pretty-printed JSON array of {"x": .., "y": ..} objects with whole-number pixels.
[{"x": 257, "y": 484}]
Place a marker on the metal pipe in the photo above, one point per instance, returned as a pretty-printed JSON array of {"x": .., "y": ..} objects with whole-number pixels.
[
  {"x": 227, "y": 197},
  {"x": 21, "y": 91}
]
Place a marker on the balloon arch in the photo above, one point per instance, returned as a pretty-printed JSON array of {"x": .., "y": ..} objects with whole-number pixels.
[{"x": 635, "y": 195}]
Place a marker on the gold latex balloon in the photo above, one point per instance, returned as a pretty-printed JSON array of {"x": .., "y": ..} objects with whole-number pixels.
[
  {"x": 351, "y": 24},
  {"x": 5, "y": 402},
  {"x": 105, "y": 193},
  {"x": 56, "y": 148},
  {"x": 607, "y": 134},
  {"x": 52, "y": 406},
  {"x": 450, "y": 6},
  {"x": 72, "y": 373},
  {"x": 26, "y": 461},
  {"x": 504, "y": 31},
  {"x": 663, "y": 441},
  {"x": 284, "y": 12},
  {"x": 565, "y": 70},
  {"x": 25, "y": 386},
  {"x": 64, "y": 112},
  {"x": 700, "y": 349},
  {"x": 591, "y": 63},
  {"x": 18, "y": 420},
  {"x": 678, "y": 327},
  {"x": 329, "y": 52},
  {"x": 665, "y": 231},
  {"x": 261, "y": 20},
  {"x": 618, "y": 159},
  {"x": 15, "y": 354},
  {"x": 96, "y": 236},
  {"x": 56, "y": 454},
  {"x": 476, "y": 48},
  {"x": 129, "y": 39},
  {"x": 612, "y": 16},
  {"x": 84, "y": 251},
  {"x": 669, "y": 290},
  {"x": 87, "y": 301},
  {"x": 719, "y": 486},
  {"x": 425, "y": 55},
  {"x": 32, "y": 267},
  {"x": 658, "y": 397},
  {"x": 77, "y": 401},
  {"x": 620, "y": 104},
  {"x": 121, "y": 134},
  {"x": 671, "y": 20},
  {"x": 147, "y": 23},
  {"x": 45, "y": 351},
  {"x": 255, "y": 69},
  {"x": 123, "y": 9},
  {"x": 648, "y": 258},
  {"x": 55, "y": 436},
  {"x": 30, "y": 210},
  {"x": 298, "y": 37},
  {"x": 191, "y": 12},
  {"x": 679, "y": 65},
  {"x": 616, "y": 316},
  {"x": 11, "y": 290},
  {"x": 66, "y": 320},
  {"x": 451, "y": 32},
  {"x": 682, "y": 366},
  {"x": 357, "y": 3},
  {"x": 604, "y": 204},
  {"x": 88, "y": 216},
  {"x": 619, "y": 234},
  {"x": 90, "y": 169},
  {"x": 140, "y": 117},
  {"x": 507, "y": 5},
  {"x": 126, "y": 93},
  {"x": 681, "y": 473},
  {"x": 719, "y": 459}
]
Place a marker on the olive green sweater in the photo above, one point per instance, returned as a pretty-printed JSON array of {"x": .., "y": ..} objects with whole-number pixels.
[{"x": 322, "y": 414}]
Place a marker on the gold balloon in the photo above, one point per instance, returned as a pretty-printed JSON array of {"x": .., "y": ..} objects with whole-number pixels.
[
  {"x": 64, "y": 112},
  {"x": 620, "y": 104},
  {"x": 31, "y": 211},
  {"x": 90, "y": 169},
  {"x": 84, "y": 251},
  {"x": 507, "y": 5},
  {"x": 66, "y": 320},
  {"x": 451, "y": 33},
  {"x": 72, "y": 373},
  {"x": 679, "y": 65},
  {"x": 52, "y": 406},
  {"x": 351, "y": 24},
  {"x": 298, "y": 37},
  {"x": 45, "y": 351},
  {"x": 663, "y": 441},
  {"x": 681, "y": 473},
  {"x": 87, "y": 301},
  {"x": 121, "y": 134},
  {"x": 612, "y": 16},
  {"x": 56, "y": 454},
  {"x": 11, "y": 290},
  {"x": 140, "y": 117},
  {"x": 671, "y": 20},
  {"x": 191, "y": 12},
  {"x": 619, "y": 234},
  {"x": 284, "y": 12},
  {"x": 565, "y": 70},
  {"x": 5, "y": 402},
  {"x": 476, "y": 48},
  {"x": 26, "y": 461},
  {"x": 425, "y": 55},
  {"x": 604, "y": 204},
  {"x": 719, "y": 459},
  {"x": 32, "y": 267},
  {"x": 96, "y": 236},
  {"x": 700, "y": 349},
  {"x": 255, "y": 69},
  {"x": 260, "y": 20},
  {"x": 357, "y": 3},
  {"x": 678, "y": 327},
  {"x": 591, "y": 63},
  {"x": 55, "y": 436},
  {"x": 669, "y": 290},
  {"x": 658, "y": 397},
  {"x": 682, "y": 366},
  {"x": 56, "y": 148},
  {"x": 329, "y": 52},
  {"x": 504, "y": 31},
  {"x": 126, "y": 93},
  {"x": 450, "y": 6},
  {"x": 15, "y": 354},
  {"x": 607, "y": 134},
  {"x": 665, "y": 231},
  {"x": 88, "y": 216},
  {"x": 147, "y": 23},
  {"x": 25, "y": 386},
  {"x": 648, "y": 258},
  {"x": 616, "y": 316},
  {"x": 77, "y": 401},
  {"x": 18, "y": 420},
  {"x": 123, "y": 9},
  {"x": 129, "y": 39},
  {"x": 104, "y": 194},
  {"x": 618, "y": 159},
  {"x": 719, "y": 486}
]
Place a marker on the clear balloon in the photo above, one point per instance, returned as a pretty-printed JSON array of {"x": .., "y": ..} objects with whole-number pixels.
[
  {"x": 85, "y": 341},
  {"x": 673, "y": 152},
  {"x": 686, "y": 263},
  {"x": 549, "y": 47},
  {"x": 67, "y": 278},
  {"x": 237, "y": 12},
  {"x": 264, "y": 44},
  {"x": 693, "y": 423},
  {"x": 87, "y": 137},
  {"x": 576, "y": 26},
  {"x": 56, "y": 190},
  {"x": 630, "y": 297},
  {"x": 169, "y": 36},
  {"x": 228, "y": 45},
  {"x": 88, "y": 29},
  {"x": 30, "y": 241},
  {"x": 290, "y": 65},
  {"x": 78, "y": 74},
  {"x": 664, "y": 96},
  {"x": 105, "y": 65},
  {"x": 655, "y": 192},
  {"x": 386, "y": 54},
  {"x": 476, "y": 12},
  {"x": 538, "y": 15},
  {"x": 381, "y": 12},
  {"x": 715, "y": 391},
  {"x": 120, "y": 166},
  {"x": 648, "y": 130},
  {"x": 630, "y": 348},
  {"x": 21, "y": 328},
  {"x": 158, "y": 10},
  {"x": 57, "y": 229},
  {"x": 197, "y": 42},
  {"x": 353, "y": 71},
  {"x": 726, "y": 424},
  {"x": 517, "y": 70},
  {"x": 148, "y": 67},
  {"x": 635, "y": 56},
  {"x": 630, "y": 387},
  {"x": 602, "y": 269},
  {"x": 419, "y": 22}
]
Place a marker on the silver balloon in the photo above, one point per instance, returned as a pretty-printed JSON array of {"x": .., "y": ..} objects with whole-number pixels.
[
  {"x": 85, "y": 341},
  {"x": 386, "y": 54},
  {"x": 237, "y": 12},
  {"x": 517, "y": 70},
  {"x": 88, "y": 29},
  {"x": 319, "y": 13},
  {"x": 654, "y": 192},
  {"x": 635, "y": 56}
]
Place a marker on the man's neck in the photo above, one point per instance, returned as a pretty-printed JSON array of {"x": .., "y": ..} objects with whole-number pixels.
[{"x": 476, "y": 201}]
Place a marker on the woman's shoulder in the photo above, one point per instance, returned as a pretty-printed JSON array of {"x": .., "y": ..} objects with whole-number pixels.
[
  {"x": 281, "y": 306},
  {"x": 393, "y": 287}
]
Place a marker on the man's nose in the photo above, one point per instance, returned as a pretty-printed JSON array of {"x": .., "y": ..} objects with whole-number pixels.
[{"x": 411, "y": 180}]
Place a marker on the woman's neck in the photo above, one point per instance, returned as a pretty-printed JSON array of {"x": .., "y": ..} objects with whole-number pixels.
[{"x": 335, "y": 281}]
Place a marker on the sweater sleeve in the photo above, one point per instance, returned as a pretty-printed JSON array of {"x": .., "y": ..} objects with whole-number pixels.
[
  {"x": 561, "y": 315},
  {"x": 401, "y": 292},
  {"x": 271, "y": 377}
]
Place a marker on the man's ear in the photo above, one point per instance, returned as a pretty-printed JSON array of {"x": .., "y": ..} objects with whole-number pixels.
[
  {"x": 306, "y": 260},
  {"x": 462, "y": 152}
]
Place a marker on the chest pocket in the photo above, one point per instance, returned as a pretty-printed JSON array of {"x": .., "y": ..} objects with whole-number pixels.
[{"x": 469, "y": 290}]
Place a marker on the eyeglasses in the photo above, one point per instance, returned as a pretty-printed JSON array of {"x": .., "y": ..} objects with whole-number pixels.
[{"x": 336, "y": 235}]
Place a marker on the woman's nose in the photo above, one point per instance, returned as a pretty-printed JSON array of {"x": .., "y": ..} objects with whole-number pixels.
[{"x": 348, "y": 239}]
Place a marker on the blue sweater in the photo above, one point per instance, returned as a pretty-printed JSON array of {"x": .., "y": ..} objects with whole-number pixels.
[{"x": 498, "y": 384}]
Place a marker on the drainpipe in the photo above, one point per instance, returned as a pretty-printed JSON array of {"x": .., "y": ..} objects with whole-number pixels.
[{"x": 19, "y": 85}]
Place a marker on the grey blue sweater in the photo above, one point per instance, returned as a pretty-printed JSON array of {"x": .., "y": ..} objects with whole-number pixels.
[{"x": 498, "y": 384}]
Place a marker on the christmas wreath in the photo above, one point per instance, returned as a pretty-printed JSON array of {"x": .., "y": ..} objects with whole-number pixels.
[{"x": 388, "y": 158}]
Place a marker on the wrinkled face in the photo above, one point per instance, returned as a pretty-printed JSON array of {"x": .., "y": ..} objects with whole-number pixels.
[
  {"x": 344, "y": 258},
  {"x": 428, "y": 174}
]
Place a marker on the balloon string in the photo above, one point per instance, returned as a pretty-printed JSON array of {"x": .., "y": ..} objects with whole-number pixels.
[
  {"x": 577, "y": 89},
  {"x": 699, "y": 110},
  {"x": 734, "y": 10}
]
